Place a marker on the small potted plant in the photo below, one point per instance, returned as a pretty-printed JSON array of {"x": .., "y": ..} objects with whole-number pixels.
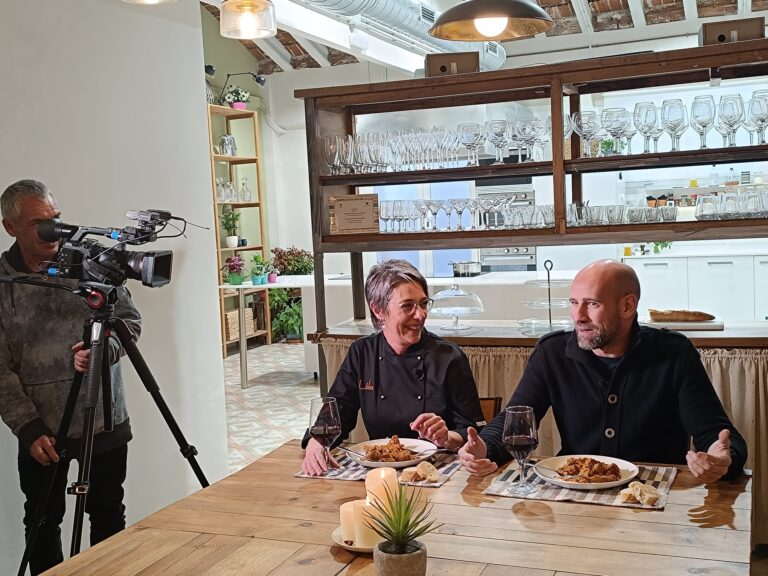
[
  {"x": 236, "y": 97},
  {"x": 271, "y": 273},
  {"x": 290, "y": 322},
  {"x": 401, "y": 520},
  {"x": 230, "y": 220},
  {"x": 259, "y": 269},
  {"x": 292, "y": 261},
  {"x": 233, "y": 267}
]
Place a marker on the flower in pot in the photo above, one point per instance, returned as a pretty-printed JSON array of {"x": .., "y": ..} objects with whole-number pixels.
[
  {"x": 401, "y": 520},
  {"x": 259, "y": 269},
  {"x": 230, "y": 220},
  {"x": 292, "y": 261},
  {"x": 236, "y": 97},
  {"x": 271, "y": 273},
  {"x": 233, "y": 268}
]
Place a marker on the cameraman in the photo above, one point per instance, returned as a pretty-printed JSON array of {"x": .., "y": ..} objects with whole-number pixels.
[{"x": 41, "y": 332}]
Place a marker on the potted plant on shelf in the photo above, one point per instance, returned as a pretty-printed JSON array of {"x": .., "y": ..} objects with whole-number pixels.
[
  {"x": 236, "y": 97},
  {"x": 271, "y": 273},
  {"x": 259, "y": 269},
  {"x": 230, "y": 220},
  {"x": 401, "y": 520},
  {"x": 289, "y": 321},
  {"x": 233, "y": 268},
  {"x": 292, "y": 261}
]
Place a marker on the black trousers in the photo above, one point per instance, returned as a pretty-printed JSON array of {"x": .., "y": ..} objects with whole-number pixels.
[{"x": 104, "y": 503}]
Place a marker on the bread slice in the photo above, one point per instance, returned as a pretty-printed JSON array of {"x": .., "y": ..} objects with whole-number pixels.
[
  {"x": 679, "y": 316},
  {"x": 428, "y": 471},
  {"x": 411, "y": 475},
  {"x": 639, "y": 492}
]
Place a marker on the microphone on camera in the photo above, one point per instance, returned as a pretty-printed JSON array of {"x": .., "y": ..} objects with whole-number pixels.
[{"x": 54, "y": 229}]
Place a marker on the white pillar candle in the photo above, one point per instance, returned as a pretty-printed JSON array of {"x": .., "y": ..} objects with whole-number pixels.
[
  {"x": 364, "y": 536},
  {"x": 347, "y": 516},
  {"x": 375, "y": 482}
]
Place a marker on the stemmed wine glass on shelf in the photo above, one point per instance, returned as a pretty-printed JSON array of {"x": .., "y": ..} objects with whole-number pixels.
[
  {"x": 521, "y": 438},
  {"x": 325, "y": 424}
]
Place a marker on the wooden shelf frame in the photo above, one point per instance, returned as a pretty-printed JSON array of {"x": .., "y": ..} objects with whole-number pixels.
[{"x": 332, "y": 111}]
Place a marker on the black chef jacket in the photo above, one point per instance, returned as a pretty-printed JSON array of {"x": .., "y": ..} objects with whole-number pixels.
[
  {"x": 645, "y": 409},
  {"x": 391, "y": 390}
]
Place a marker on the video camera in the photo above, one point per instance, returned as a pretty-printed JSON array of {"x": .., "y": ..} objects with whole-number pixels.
[{"x": 88, "y": 260}]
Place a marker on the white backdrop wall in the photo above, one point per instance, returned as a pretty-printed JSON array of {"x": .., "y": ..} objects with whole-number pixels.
[{"x": 105, "y": 102}]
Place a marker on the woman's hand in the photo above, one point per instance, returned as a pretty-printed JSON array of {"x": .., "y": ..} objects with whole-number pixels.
[
  {"x": 431, "y": 427},
  {"x": 314, "y": 462}
]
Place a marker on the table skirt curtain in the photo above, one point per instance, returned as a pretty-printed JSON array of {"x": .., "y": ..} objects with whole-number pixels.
[{"x": 740, "y": 377}]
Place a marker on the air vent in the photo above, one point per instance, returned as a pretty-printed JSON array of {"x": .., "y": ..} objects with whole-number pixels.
[
  {"x": 492, "y": 47},
  {"x": 427, "y": 15}
]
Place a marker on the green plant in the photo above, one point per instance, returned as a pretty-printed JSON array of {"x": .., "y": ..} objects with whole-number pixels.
[
  {"x": 289, "y": 321},
  {"x": 292, "y": 261},
  {"x": 659, "y": 246},
  {"x": 401, "y": 520},
  {"x": 278, "y": 299},
  {"x": 229, "y": 220},
  {"x": 235, "y": 94},
  {"x": 606, "y": 147},
  {"x": 259, "y": 265},
  {"x": 234, "y": 264}
]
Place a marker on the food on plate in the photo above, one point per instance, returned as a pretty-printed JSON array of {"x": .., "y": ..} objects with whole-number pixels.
[
  {"x": 679, "y": 316},
  {"x": 424, "y": 471},
  {"x": 588, "y": 471},
  {"x": 639, "y": 492},
  {"x": 392, "y": 451}
]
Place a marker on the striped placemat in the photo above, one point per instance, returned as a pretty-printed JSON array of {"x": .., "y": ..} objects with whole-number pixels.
[
  {"x": 660, "y": 477},
  {"x": 446, "y": 464}
]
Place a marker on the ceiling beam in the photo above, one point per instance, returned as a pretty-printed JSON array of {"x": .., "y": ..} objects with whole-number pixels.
[
  {"x": 636, "y": 11},
  {"x": 583, "y": 14},
  {"x": 276, "y": 51},
  {"x": 691, "y": 10},
  {"x": 317, "y": 51}
]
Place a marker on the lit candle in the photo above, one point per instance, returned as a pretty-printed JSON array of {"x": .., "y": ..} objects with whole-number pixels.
[
  {"x": 347, "y": 514},
  {"x": 364, "y": 536},
  {"x": 376, "y": 482}
]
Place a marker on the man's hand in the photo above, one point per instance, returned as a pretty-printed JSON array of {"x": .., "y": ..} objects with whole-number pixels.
[
  {"x": 431, "y": 427},
  {"x": 472, "y": 455},
  {"x": 314, "y": 459},
  {"x": 712, "y": 465},
  {"x": 81, "y": 357},
  {"x": 43, "y": 451}
]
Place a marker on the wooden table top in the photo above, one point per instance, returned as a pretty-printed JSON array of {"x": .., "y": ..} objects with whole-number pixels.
[{"x": 261, "y": 520}]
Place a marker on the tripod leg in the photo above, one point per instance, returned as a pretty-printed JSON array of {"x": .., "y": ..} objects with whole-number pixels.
[
  {"x": 53, "y": 470},
  {"x": 93, "y": 385},
  {"x": 188, "y": 451}
]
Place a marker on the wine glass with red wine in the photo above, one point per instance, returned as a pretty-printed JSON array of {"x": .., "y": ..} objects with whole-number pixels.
[
  {"x": 325, "y": 424},
  {"x": 521, "y": 438}
]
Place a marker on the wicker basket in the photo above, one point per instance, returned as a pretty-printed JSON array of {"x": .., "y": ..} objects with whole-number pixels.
[{"x": 232, "y": 323}]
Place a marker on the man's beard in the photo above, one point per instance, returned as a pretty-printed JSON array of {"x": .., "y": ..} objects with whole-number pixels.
[{"x": 602, "y": 336}]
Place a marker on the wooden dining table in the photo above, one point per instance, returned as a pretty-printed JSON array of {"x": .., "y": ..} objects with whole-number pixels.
[{"x": 263, "y": 520}]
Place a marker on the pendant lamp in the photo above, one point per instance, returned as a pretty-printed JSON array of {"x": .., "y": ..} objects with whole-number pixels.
[
  {"x": 247, "y": 19},
  {"x": 481, "y": 20}
]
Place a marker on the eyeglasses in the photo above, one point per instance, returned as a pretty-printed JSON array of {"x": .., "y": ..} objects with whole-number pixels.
[{"x": 410, "y": 306}]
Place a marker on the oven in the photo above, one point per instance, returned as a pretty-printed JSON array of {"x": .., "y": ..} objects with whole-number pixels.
[{"x": 513, "y": 258}]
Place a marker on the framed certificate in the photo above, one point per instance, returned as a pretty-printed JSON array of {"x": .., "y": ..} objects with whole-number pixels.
[{"x": 354, "y": 214}]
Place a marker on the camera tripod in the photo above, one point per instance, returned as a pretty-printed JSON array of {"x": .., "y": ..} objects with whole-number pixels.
[{"x": 101, "y": 299}]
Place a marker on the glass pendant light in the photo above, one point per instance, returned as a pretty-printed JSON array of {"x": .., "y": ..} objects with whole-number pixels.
[
  {"x": 480, "y": 20},
  {"x": 247, "y": 19}
]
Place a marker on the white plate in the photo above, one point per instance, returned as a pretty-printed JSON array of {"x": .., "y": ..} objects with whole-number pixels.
[
  {"x": 627, "y": 469},
  {"x": 336, "y": 537},
  {"x": 410, "y": 443}
]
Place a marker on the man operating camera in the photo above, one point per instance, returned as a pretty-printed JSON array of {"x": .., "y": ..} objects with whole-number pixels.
[{"x": 41, "y": 332}]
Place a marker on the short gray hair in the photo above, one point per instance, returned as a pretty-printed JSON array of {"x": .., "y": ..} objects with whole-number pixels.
[
  {"x": 10, "y": 201},
  {"x": 383, "y": 278}
]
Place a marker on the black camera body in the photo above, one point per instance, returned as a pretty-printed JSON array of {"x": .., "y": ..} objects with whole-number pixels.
[{"x": 87, "y": 260}]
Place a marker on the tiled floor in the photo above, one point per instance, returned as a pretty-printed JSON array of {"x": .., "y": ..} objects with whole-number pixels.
[{"x": 275, "y": 406}]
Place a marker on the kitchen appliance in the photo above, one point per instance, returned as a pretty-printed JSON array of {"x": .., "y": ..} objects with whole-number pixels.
[
  {"x": 514, "y": 258},
  {"x": 464, "y": 269}
]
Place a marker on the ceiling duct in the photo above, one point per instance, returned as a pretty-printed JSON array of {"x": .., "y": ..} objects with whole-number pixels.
[{"x": 415, "y": 19}]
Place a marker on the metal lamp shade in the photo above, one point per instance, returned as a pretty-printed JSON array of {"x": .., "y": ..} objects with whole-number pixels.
[
  {"x": 247, "y": 19},
  {"x": 525, "y": 18}
]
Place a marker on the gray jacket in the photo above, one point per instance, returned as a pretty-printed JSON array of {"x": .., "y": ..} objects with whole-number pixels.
[{"x": 38, "y": 327}]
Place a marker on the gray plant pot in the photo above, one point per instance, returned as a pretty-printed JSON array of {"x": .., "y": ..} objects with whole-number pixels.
[{"x": 413, "y": 564}]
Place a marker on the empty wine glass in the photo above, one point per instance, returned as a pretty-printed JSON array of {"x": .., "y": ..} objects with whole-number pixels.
[
  {"x": 674, "y": 120},
  {"x": 645, "y": 121},
  {"x": 586, "y": 125},
  {"x": 758, "y": 113},
  {"x": 325, "y": 425},
  {"x": 731, "y": 114},
  {"x": 496, "y": 133},
  {"x": 615, "y": 121},
  {"x": 470, "y": 135},
  {"x": 703, "y": 117},
  {"x": 521, "y": 438}
]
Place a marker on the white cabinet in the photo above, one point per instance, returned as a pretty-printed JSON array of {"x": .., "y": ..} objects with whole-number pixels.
[
  {"x": 663, "y": 283},
  {"x": 761, "y": 287},
  {"x": 723, "y": 286}
]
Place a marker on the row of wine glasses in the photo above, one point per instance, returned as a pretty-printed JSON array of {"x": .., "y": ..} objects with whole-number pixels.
[{"x": 470, "y": 214}]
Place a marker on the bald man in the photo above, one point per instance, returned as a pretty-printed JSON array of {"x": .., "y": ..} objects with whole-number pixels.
[{"x": 619, "y": 389}]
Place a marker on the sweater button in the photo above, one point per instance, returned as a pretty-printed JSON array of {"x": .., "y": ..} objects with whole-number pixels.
[
  {"x": 418, "y": 397},
  {"x": 382, "y": 396},
  {"x": 610, "y": 432},
  {"x": 612, "y": 398}
]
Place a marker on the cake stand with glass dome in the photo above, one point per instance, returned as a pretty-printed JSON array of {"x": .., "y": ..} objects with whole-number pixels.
[
  {"x": 541, "y": 326},
  {"x": 455, "y": 302}
]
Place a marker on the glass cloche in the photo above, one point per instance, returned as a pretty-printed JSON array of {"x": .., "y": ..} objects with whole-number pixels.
[{"x": 456, "y": 302}]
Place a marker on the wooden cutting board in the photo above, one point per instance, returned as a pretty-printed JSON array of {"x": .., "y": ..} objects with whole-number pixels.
[{"x": 715, "y": 324}]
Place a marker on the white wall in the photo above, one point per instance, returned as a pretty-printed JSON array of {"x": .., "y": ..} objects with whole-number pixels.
[{"x": 105, "y": 102}]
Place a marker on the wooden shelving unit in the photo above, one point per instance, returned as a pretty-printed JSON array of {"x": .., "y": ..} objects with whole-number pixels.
[
  {"x": 332, "y": 112},
  {"x": 248, "y": 211}
]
